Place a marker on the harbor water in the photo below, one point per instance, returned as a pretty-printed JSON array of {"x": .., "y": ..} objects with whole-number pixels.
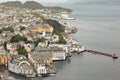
[{"x": 98, "y": 29}]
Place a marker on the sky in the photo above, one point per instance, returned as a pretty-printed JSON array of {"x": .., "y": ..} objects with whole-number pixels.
[
  {"x": 41, "y": 1},
  {"x": 61, "y": 1},
  {"x": 51, "y": 1}
]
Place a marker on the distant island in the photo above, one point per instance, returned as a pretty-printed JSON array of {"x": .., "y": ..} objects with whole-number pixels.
[
  {"x": 32, "y": 5},
  {"x": 110, "y": 2}
]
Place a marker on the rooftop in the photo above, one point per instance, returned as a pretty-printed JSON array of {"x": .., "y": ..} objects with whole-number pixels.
[{"x": 40, "y": 56}]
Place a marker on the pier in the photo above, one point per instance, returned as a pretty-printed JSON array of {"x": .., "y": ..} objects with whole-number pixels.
[{"x": 114, "y": 56}]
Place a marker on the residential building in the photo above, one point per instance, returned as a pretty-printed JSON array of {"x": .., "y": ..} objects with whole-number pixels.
[
  {"x": 54, "y": 38},
  {"x": 29, "y": 47},
  {"x": 4, "y": 58}
]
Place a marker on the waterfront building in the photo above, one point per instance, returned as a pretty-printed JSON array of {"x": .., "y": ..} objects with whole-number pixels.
[
  {"x": 20, "y": 65},
  {"x": 57, "y": 53},
  {"x": 65, "y": 47},
  {"x": 35, "y": 64},
  {"x": 42, "y": 62},
  {"x": 77, "y": 48}
]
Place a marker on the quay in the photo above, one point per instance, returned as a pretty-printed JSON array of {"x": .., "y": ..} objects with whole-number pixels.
[{"x": 114, "y": 56}]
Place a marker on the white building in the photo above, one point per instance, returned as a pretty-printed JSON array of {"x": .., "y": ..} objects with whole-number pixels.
[
  {"x": 55, "y": 38},
  {"x": 20, "y": 65},
  {"x": 58, "y": 53},
  {"x": 77, "y": 48},
  {"x": 65, "y": 47},
  {"x": 41, "y": 70},
  {"x": 41, "y": 61},
  {"x": 29, "y": 47}
]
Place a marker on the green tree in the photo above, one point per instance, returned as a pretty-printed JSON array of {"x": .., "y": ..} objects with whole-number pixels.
[
  {"x": 18, "y": 38},
  {"x": 61, "y": 38},
  {"x": 21, "y": 50},
  {"x": 10, "y": 29},
  {"x": 39, "y": 40},
  {"x": 55, "y": 24},
  {"x": 7, "y": 29},
  {"x": 0, "y": 30}
]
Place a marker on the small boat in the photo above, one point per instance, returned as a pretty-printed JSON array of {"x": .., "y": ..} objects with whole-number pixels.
[{"x": 52, "y": 75}]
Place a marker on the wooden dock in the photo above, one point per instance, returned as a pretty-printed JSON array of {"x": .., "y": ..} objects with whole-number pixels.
[{"x": 101, "y": 53}]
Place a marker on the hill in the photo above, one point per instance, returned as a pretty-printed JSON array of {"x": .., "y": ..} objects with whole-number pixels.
[
  {"x": 59, "y": 8},
  {"x": 12, "y": 4},
  {"x": 32, "y": 5}
]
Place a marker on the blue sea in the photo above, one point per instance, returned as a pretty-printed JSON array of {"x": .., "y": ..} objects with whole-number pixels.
[{"x": 98, "y": 23}]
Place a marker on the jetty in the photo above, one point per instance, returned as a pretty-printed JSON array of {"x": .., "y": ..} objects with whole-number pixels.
[{"x": 114, "y": 55}]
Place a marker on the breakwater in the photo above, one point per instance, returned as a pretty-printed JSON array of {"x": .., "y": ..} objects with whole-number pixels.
[{"x": 114, "y": 55}]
